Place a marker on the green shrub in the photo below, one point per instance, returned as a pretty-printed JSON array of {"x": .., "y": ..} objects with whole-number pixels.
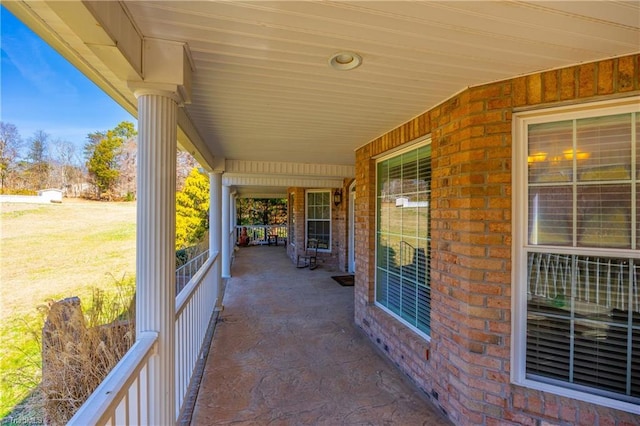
[{"x": 9, "y": 191}]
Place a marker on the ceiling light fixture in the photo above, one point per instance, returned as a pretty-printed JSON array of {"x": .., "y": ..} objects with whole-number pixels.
[{"x": 344, "y": 61}]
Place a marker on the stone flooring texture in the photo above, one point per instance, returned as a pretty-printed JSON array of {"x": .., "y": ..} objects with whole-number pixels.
[{"x": 286, "y": 351}]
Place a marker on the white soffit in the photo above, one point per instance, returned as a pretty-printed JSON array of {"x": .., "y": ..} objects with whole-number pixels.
[{"x": 263, "y": 89}]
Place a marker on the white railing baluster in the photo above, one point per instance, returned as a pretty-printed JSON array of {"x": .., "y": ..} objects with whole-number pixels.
[
  {"x": 620, "y": 284},
  {"x": 634, "y": 279},
  {"x": 609, "y": 283},
  {"x": 122, "y": 398},
  {"x": 598, "y": 282}
]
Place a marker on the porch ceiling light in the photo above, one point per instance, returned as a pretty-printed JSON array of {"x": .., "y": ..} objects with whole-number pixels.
[{"x": 344, "y": 61}]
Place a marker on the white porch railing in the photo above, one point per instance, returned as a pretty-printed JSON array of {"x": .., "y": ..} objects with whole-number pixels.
[
  {"x": 121, "y": 399},
  {"x": 258, "y": 234},
  {"x": 194, "y": 307},
  {"x": 185, "y": 273}
]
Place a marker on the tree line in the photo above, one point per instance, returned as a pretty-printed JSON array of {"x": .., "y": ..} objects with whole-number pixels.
[
  {"x": 104, "y": 170},
  {"x": 36, "y": 163}
]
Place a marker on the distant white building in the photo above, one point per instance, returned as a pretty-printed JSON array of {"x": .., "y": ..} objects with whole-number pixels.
[
  {"x": 51, "y": 195},
  {"x": 44, "y": 196}
]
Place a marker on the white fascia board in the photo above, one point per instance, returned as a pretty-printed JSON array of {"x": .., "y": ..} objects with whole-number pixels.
[
  {"x": 249, "y": 167},
  {"x": 233, "y": 179}
]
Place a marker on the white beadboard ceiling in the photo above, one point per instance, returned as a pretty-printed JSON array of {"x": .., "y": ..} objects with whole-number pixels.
[{"x": 263, "y": 89}]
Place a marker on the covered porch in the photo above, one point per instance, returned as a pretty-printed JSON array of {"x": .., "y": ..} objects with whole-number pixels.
[
  {"x": 307, "y": 100},
  {"x": 285, "y": 349}
]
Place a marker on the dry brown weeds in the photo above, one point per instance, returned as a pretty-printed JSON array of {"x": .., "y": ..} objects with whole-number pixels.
[{"x": 80, "y": 349}]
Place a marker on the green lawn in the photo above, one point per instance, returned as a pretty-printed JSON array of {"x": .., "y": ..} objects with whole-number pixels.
[{"x": 50, "y": 252}]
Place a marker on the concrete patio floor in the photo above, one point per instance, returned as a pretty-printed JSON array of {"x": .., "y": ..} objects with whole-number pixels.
[{"x": 285, "y": 351}]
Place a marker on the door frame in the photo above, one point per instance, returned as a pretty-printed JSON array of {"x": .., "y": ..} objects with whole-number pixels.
[{"x": 351, "y": 252}]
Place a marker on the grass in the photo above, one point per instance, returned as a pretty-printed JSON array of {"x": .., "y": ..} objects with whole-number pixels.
[{"x": 53, "y": 252}]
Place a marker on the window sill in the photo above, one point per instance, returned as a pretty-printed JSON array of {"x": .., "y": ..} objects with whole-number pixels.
[{"x": 628, "y": 407}]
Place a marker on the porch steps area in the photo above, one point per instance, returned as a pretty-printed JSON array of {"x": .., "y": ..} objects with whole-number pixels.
[{"x": 285, "y": 351}]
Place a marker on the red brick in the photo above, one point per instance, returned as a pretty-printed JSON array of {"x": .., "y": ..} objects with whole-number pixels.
[
  {"x": 568, "y": 83},
  {"x": 606, "y": 420},
  {"x": 499, "y": 103},
  {"x": 480, "y": 383},
  {"x": 550, "y": 84},
  {"x": 498, "y": 128},
  {"x": 586, "y": 80},
  {"x": 500, "y": 352},
  {"x": 482, "y": 263},
  {"x": 534, "y": 89},
  {"x": 501, "y": 227},
  {"x": 499, "y": 178},
  {"x": 498, "y": 303},
  {"x": 486, "y": 141},
  {"x": 499, "y": 152},
  {"x": 485, "y": 92},
  {"x": 587, "y": 416},
  {"x": 482, "y": 215},
  {"x": 519, "y": 401},
  {"x": 499, "y": 422},
  {"x": 551, "y": 408},
  {"x": 605, "y": 77},
  {"x": 568, "y": 413},
  {"x": 500, "y": 252},
  {"x": 625, "y": 77},
  {"x": 483, "y": 337},
  {"x": 486, "y": 313},
  {"x": 521, "y": 419},
  {"x": 519, "y": 91},
  {"x": 498, "y": 278}
]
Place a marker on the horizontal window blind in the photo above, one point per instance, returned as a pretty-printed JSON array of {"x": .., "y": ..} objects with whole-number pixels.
[
  {"x": 403, "y": 237},
  {"x": 583, "y": 309},
  {"x": 583, "y": 322}
]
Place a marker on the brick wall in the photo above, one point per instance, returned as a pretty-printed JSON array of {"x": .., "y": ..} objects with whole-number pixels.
[
  {"x": 340, "y": 228},
  {"x": 465, "y": 367},
  {"x": 297, "y": 209}
]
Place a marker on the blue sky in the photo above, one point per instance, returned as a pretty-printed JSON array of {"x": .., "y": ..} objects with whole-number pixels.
[{"x": 40, "y": 90}]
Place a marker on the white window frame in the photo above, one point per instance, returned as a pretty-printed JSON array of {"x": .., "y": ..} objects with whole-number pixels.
[
  {"x": 291, "y": 236},
  {"x": 306, "y": 218},
  {"x": 521, "y": 247},
  {"x": 416, "y": 144}
]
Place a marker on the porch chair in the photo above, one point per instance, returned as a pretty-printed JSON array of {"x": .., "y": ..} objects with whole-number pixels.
[{"x": 310, "y": 256}]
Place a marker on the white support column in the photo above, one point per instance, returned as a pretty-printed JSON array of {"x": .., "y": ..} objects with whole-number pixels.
[
  {"x": 234, "y": 209},
  {"x": 155, "y": 244},
  {"x": 216, "y": 237},
  {"x": 226, "y": 229}
]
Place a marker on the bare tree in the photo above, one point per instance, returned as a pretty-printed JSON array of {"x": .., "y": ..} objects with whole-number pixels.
[
  {"x": 185, "y": 163},
  {"x": 65, "y": 169},
  {"x": 10, "y": 143},
  {"x": 127, "y": 159}
]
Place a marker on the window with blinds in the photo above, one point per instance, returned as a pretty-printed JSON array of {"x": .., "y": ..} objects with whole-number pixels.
[
  {"x": 403, "y": 237},
  {"x": 580, "y": 242},
  {"x": 319, "y": 218}
]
